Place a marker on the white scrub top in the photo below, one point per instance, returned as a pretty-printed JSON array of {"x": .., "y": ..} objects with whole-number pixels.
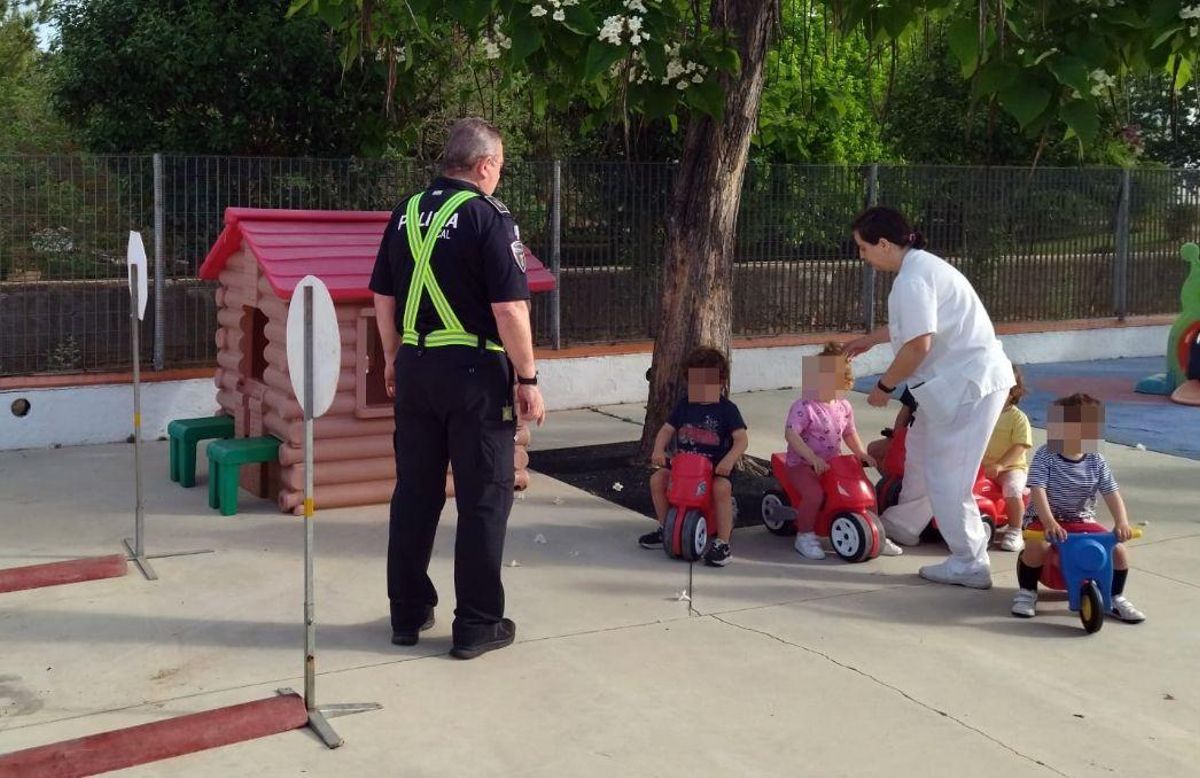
[{"x": 966, "y": 361}]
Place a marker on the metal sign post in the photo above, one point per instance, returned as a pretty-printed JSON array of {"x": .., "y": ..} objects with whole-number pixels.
[
  {"x": 312, "y": 331},
  {"x": 136, "y": 258}
]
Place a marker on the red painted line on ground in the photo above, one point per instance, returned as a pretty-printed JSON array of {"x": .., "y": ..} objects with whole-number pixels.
[
  {"x": 55, "y": 573},
  {"x": 122, "y": 748}
]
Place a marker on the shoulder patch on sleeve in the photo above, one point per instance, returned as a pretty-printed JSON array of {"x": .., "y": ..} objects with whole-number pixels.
[
  {"x": 518, "y": 253},
  {"x": 499, "y": 206}
]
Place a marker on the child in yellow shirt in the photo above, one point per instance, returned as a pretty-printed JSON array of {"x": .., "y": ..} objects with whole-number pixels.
[{"x": 1006, "y": 462}]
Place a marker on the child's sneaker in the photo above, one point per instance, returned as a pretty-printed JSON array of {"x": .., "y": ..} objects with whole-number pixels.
[
  {"x": 808, "y": 546},
  {"x": 718, "y": 554},
  {"x": 1123, "y": 609},
  {"x": 1013, "y": 540},
  {"x": 888, "y": 548},
  {"x": 651, "y": 539},
  {"x": 1025, "y": 604}
]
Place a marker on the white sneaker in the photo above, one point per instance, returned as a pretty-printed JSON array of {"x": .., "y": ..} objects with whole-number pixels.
[
  {"x": 979, "y": 577},
  {"x": 1025, "y": 604},
  {"x": 1123, "y": 609},
  {"x": 1013, "y": 540},
  {"x": 888, "y": 548},
  {"x": 808, "y": 546}
]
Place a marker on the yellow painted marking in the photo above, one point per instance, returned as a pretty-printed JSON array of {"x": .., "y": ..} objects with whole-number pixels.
[
  {"x": 308, "y": 507},
  {"x": 137, "y": 420}
]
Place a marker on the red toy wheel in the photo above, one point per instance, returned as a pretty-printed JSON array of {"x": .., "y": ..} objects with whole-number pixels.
[
  {"x": 989, "y": 527},
  {"x": 776, "y": 512},
  {"x": 694, "y": 537},
  {"x": 887, "y": 491},
  {"x": 669, "y": 525},
  {"x": 850, "y": 536}
]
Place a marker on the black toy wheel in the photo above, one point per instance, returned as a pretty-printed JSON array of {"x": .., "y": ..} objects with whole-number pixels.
[
  {"x": 1091, "y": 607},
  {"x": 850, "y": 536},
  {"x": 776, "y": 513},
  {"x": 694, "y": 538}
]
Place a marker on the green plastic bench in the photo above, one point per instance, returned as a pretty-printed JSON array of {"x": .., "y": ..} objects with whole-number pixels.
[
  {"x": 185, "y": 434},
  {"x": 225, "y": 460}
]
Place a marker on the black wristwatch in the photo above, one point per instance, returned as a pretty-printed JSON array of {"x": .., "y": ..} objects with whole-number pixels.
[
  {"x": 881, "y": 386},
  {"x": 528, "y": 381}
]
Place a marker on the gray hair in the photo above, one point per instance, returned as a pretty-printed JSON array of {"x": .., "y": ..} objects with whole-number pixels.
[{"x": 469, "y": 141}]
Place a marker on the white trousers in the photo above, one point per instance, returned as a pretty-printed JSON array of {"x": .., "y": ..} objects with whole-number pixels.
[{"x": 940, "y": 465}]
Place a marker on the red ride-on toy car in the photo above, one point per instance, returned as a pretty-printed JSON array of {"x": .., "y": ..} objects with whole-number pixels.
[
  {"x": 989, "y": 497},
  {"x": 692, "y": 517},
  {"x": 848, "y": 517}
]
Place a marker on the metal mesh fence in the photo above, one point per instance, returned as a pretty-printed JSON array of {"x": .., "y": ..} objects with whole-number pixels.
[{"x": 1038, "y": 244}]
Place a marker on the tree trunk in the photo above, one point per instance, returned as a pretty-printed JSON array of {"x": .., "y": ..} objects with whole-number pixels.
[{"x": 697, "y": 298}]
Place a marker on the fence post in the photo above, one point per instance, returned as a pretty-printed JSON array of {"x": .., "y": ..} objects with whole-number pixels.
[
  {"x": 160, "y": 281},
  {"x": 1121, "y": 257},
  {"x": 556, "y": 256},
  {"x": 868, "y": 283}
]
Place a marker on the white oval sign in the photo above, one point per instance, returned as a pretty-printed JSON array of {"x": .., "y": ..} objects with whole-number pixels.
[
  {"x": 326, "y": 345},
  {"x": 136, "y": 256}
]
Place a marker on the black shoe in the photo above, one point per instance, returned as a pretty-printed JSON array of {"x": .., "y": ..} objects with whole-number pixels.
[
  {"x": 651, "y": 539},
  {"x": 409, "y": 637},
  {"x": 497, "y": 636},
  {"x": 718, "y": 554}
]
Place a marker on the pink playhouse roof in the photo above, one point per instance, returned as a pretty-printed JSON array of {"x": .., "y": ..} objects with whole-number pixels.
[{"x": 339, "y": 247}]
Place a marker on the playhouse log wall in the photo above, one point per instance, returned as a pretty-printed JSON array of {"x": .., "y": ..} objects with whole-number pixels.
[{"x": 353, "y": 456}]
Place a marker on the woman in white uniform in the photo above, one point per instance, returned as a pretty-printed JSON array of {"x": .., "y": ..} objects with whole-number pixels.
[{"x": 947, "y": 352}]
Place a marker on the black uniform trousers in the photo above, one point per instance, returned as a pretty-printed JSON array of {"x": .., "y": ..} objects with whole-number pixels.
[{"x": 453, "y": 404}]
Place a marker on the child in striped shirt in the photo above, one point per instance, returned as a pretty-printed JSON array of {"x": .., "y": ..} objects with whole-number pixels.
[{"x": 1064, "y": 478}]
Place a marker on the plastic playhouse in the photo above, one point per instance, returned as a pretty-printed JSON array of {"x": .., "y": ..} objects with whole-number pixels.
[
  {"x": 1182, "y": 379},
  {"x": 258, "y": 259}
]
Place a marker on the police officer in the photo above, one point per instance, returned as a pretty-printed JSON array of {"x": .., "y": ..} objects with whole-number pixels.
[{"x": 452, "y": 306}]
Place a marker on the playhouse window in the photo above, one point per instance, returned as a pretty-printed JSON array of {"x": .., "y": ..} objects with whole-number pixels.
[
  {"x": 372, "y": 399},
  {"x": 255, "y": 349}
]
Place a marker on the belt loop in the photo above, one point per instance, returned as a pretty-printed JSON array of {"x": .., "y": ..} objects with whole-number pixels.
[{"x": 420, "y": 343}]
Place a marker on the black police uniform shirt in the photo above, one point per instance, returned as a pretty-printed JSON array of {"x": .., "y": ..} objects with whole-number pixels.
[
  {"x": 478, "y": 260},
  {"x": 706, "y": 428}
]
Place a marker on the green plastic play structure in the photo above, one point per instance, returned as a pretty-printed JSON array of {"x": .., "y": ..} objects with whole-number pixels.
[{"x": 1184, "y": 332}]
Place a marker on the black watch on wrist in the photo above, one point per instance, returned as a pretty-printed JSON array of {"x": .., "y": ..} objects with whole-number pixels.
[
  {"x": 881, "y": 386},
  {"x": 528, "y": 381}
]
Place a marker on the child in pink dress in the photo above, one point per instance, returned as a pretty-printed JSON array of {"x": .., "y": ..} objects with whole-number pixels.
[{"x": 817, "y": 424}]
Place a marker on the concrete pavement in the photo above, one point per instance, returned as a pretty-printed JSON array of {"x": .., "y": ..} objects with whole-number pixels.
[{"x": 777, "y": 666}]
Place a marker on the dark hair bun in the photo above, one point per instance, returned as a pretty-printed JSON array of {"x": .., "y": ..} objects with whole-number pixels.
[{"x": 917, "y": 241}]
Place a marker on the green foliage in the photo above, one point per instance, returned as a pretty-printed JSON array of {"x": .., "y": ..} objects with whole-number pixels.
[
  {"x": 26, "y": 122},
  {"x": 607, "y": 62},
  {"x": 1056, "y": 67},
  {"x": 209, "y": 76},
  {"x": 819, "y": 99}
]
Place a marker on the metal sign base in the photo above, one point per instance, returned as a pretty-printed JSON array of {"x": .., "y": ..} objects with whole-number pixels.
[
  {"x": 143, "y": 561},
  {"x": 318, "y": 718}
]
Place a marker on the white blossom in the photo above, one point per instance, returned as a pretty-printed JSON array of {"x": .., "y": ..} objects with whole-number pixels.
[
  {"x": 537, "y": 11},
  {"x": 611, "y": 30},
  {"x": 560, "y": 15},
  {"x": 682, "y": 85},
  {"x": 635, "y": 5},
  {"x": 1191, "y": 12},
  {"x": 1194, "y": 31},
  {"x": 635, "y": 39},
  {"x": 697, "y": 79},
  {"x": 634, "y": 23},
  {"x": 1101, "y": 81},
  {"x": 490, "y": 49}
]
